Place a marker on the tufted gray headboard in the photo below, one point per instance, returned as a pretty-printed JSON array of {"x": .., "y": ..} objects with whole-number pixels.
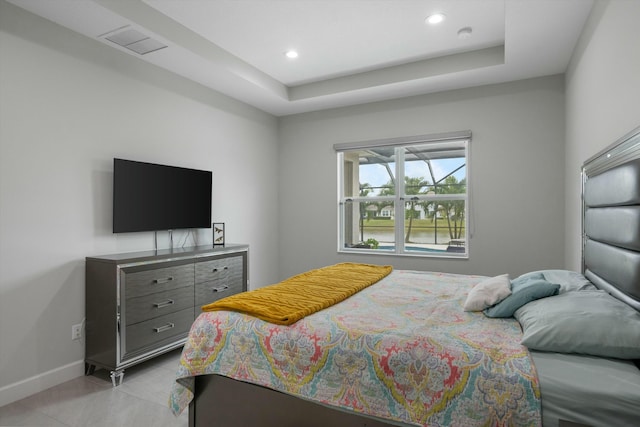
[{"x": 611, "y": 219}]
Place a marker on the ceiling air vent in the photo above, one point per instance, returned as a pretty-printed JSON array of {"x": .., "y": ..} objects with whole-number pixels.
[{"x": 134, "y": 40}]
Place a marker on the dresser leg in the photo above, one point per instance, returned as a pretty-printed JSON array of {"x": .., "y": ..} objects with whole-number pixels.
[
  {"x": 116, "y": 377},
  {"x": 89, "y": 369}
]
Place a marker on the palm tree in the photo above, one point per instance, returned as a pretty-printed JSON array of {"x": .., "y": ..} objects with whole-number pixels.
[
  {"x": 365, "y": 189},
  {"x": 453, "y": 210},
  {"x": 412, "y": 187}
]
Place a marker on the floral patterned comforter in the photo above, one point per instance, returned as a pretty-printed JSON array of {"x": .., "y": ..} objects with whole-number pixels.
[{"x": 401, "y": 350}]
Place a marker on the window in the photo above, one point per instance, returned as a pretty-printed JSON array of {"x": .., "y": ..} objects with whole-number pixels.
[{"x": 405, "y": 195}]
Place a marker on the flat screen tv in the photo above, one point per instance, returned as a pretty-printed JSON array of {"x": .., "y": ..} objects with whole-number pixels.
[{"x": 152, "y": 197}]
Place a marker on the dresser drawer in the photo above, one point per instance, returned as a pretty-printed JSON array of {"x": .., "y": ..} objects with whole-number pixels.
[
  {"x": 212, "y": 291},
  {"x": 218, "y": 269},
  {"x": 150, "y": 306},
  {"x": 152, "y": 280},
  {"x": 164, "y": 328}
]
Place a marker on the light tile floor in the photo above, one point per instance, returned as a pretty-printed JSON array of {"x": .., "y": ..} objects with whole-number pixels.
[{"x": 86, "y": 401}]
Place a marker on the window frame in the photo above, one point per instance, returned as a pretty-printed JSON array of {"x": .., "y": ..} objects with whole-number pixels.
[{"x": 454, "y": 140}]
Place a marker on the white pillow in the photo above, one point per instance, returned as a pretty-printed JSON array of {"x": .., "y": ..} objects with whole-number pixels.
[{"x": 488, "y": 292}]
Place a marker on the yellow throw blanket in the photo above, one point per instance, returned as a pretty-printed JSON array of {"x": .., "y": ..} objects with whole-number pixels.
[{"x": 292, "y": 299}]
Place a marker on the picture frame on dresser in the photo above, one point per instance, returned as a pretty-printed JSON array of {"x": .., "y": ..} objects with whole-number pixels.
[{"x": 218, "y": 233}]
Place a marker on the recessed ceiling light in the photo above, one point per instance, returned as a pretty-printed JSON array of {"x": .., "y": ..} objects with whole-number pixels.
[
  {"x": 465, "y": 33},
  {"x": 291, "y": 54},
  {"x": 436, "y": 18}
]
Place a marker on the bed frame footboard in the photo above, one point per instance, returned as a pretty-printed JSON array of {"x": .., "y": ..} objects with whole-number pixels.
[{"x": 224, "y": 402}]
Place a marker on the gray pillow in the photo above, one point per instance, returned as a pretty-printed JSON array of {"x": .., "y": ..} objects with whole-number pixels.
[
  {"x": 584, "y": 322},
  {"x": 531, "y": 275},
  {"x": 523, "y": 291},
  {"x": 568, "y": 280}
]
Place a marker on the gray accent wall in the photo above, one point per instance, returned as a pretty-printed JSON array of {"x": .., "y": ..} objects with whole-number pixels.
[
  {"x": 516, "y": 170},
  {"x": 70, "y": 105},
  {"x": 602, "y": 93}
]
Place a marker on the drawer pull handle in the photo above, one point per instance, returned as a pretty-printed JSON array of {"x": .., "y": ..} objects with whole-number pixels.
[
  {"x": 163, "y": 304},
  {"x": 215, "y": 270},
  {"x": 165, "y": 280},
  {"x": 220, "y": 289},
  {"x": 164, "y": 328}
]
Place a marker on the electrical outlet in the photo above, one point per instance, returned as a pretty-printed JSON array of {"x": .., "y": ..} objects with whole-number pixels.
[{"x": 76, "y": 331}]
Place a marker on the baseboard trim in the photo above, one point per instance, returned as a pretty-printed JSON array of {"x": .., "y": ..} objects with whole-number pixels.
[{"x": 21, "y": 389}]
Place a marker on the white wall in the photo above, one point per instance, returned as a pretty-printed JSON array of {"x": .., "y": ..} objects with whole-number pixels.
[
  {"x": 68, "y": 106},
  {"x": 602, "y": 97},
  {"x": 517, "y": 159}
]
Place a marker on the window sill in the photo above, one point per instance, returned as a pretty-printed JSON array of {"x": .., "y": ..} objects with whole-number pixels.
[{"x": 378, "y": 252}]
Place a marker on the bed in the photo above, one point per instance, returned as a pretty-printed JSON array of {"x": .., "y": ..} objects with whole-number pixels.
[{"x": 410, "y": 349}]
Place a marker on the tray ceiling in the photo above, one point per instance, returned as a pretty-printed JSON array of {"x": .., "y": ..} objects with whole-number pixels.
[{"x": 349, "y": 51}]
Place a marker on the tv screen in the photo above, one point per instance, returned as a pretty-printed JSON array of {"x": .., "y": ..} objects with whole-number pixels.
[{"x": 151, "y": 197}]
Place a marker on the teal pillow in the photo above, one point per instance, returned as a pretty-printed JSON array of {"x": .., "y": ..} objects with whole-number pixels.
[
  {"x": 583, "y": 322},
  {"x": 523, "y": 291}
]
